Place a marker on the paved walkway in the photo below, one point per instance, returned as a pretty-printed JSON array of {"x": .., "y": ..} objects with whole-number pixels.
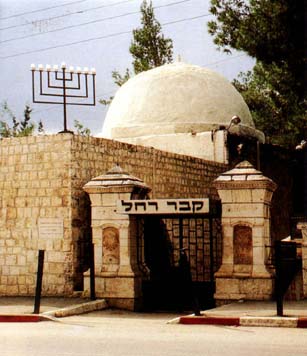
[
  {"x": 25, "y": 305},
  {"x": 21, "y": 309},
  {"x": 239, "y": 313},
  {"x": 253, "y": 313},
  {"x": 260, "y": 309}
]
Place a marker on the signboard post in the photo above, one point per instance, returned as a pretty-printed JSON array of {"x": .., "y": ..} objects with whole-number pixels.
[{"x": 39, "y": 278}]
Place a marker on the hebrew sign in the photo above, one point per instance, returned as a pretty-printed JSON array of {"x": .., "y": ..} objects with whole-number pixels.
[{"x": 163, "y": 206}]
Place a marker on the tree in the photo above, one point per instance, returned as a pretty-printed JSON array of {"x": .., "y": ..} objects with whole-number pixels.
[
  {"x": 24, "y": 127},
  {"x": 272, "y": 32},
  {"x": 81, "y": 130},
  {"x": 149, "y": 48},
  {"x": 275, "y": 107}
]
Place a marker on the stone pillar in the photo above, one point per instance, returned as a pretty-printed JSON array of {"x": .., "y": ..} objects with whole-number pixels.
[
  {"x": 303, "y": 226},
  {"x": 246, "y": 197},
  {"x": 117, "y": 276}
]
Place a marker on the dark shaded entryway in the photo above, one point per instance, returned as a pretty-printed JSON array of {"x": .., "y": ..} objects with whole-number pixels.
[{"x": 179, "y": 255}]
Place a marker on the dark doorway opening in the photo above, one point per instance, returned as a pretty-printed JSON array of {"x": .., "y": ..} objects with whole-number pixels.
[{"x": 179, "y": 256}]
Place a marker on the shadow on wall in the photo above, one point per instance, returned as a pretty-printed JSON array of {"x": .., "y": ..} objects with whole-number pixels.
[{"x": 81, "y": 224}]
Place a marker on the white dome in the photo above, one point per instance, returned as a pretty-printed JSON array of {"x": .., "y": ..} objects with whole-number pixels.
[{"x": 174, "y": 98}]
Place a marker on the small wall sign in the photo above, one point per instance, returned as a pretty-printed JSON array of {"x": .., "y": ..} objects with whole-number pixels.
[{"x": 50, "y": 228}]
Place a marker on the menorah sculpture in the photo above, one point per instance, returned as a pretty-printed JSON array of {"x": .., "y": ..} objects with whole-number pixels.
[{"x": 61, "y": 83}]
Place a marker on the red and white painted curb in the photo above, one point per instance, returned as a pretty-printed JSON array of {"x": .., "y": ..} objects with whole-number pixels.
[
  {"x": 274, "y": 321},
  {"x": 23, "y": 318}
]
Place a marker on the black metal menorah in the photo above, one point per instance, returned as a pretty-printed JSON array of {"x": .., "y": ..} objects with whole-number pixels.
[{"x": 63, "y": 83}]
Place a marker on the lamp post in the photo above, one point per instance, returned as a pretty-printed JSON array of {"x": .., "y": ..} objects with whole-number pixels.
[{"x": 67, "y": 85}]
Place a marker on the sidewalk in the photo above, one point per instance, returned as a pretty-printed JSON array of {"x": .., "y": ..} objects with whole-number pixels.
[
  {"x": 252, "y": 313},
  {"x": 249, "y": 313},
  {"x": 20, "y": 309}
]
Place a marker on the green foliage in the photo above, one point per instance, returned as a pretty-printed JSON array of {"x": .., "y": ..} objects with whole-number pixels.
[
  {"x": 24, "y": 127},
  {"x": 81, "y": 130},
  {"x": 149, "y": 48},
  {"x": 269, "y": 30},
  {"x": 40, "y": 128},
  {"x": 106, "y": 101},
  {"x": 121, "y": 79},
  {"x": 275, "y": 107},
  {"x": 272, "y": 32}
]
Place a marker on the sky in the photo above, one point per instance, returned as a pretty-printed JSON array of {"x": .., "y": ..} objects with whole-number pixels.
[{"x": 95, "y": 33}]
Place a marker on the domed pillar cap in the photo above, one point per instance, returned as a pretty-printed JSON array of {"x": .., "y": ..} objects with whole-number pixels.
[
  {"x": 244, "y": 175},
  {"x": 116, "y": 179}
]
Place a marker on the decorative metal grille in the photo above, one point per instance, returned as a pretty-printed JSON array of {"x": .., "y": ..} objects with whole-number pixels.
[{"x": 200, "y": 237}]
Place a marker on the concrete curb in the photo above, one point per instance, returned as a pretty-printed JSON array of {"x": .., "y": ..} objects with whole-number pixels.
[
  {"x": 78, "y": 309},
  {"x": 274, "y": 321},
  {"x": 54, "y": 314}
]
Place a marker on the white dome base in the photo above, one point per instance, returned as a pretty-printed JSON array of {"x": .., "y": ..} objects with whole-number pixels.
[{"x": 204, "y": 145}]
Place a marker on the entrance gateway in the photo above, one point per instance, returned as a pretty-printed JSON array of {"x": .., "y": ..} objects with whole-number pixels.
[
  {"x": 154, "y": 254},
  {"x": 163, "y": 253},
  {"x": 179, "y": 248}
]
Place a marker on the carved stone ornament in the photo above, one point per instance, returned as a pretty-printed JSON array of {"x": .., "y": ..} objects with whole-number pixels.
[
  {"x": 110, "y": 245},
  {"x": 242, "y": 245}
]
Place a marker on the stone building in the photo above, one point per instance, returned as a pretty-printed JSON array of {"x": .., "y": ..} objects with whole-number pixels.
[{"x": 173, "y": 130}]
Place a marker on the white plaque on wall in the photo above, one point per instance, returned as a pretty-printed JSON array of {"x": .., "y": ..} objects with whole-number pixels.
[{"x": 50, "y": 228}]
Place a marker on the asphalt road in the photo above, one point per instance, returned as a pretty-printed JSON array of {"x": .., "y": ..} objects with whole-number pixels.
[{"x": 115, "y": 333}]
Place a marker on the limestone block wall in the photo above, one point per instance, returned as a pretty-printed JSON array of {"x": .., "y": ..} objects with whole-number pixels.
[
  {"x": 34, "y": 183},
  {"x": 41, "y": 177},
  {"x": 168, "y": 174}
]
